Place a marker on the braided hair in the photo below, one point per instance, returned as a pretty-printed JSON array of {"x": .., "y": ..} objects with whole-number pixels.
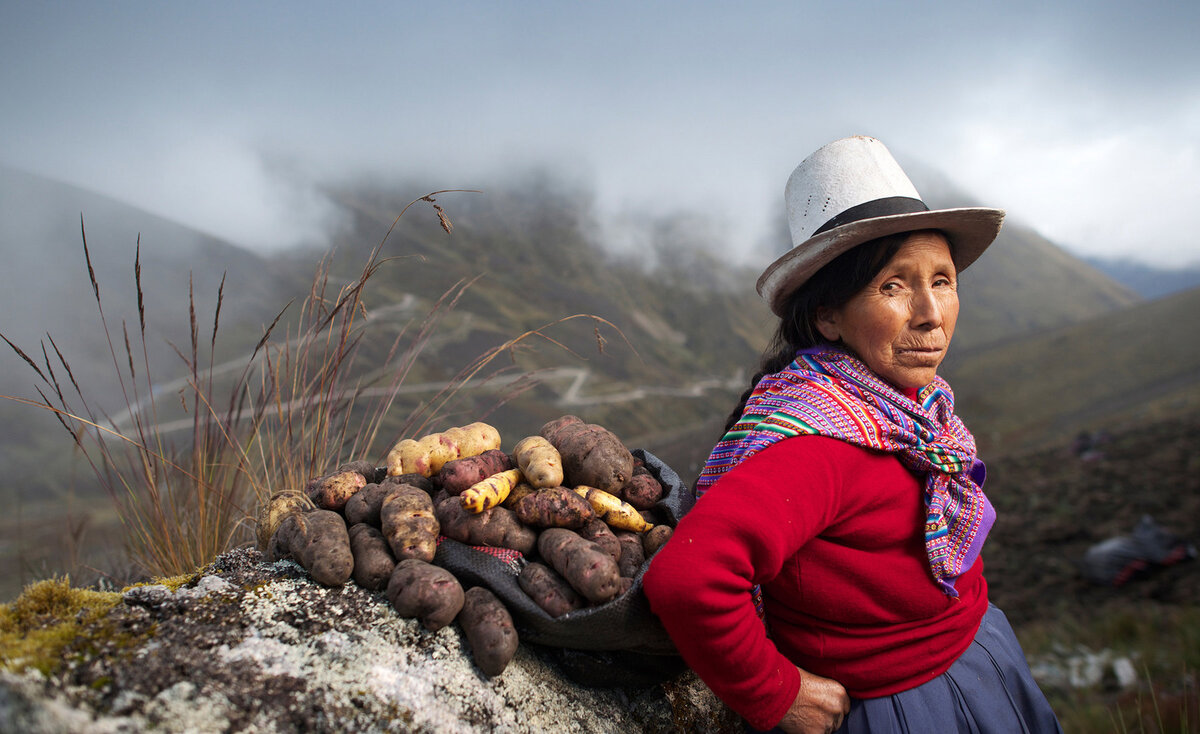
[{"x": 830, "y": 287}]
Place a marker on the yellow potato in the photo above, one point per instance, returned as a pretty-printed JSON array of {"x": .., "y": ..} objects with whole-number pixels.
[
  {"x": 612, "y": 510},
  {"x": 539, "y": 461},
  {"x": 427, "y": 455},
  {"x": 490, "y": 492}
]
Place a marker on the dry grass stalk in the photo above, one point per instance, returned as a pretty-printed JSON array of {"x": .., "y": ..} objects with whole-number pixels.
[{"x": 295, "y": 410}]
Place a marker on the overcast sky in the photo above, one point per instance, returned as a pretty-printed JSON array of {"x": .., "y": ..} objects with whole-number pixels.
[{"x": 1081, "y": 119}]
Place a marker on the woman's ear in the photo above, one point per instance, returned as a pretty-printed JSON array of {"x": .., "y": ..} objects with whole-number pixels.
[{"x": 827, "y": 323}]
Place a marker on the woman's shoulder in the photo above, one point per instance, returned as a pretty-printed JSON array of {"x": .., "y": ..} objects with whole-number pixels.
[
  {"x": 817, "y": 448},
  {"x": 818, "y": 461},
  {"x": 820, "y": 478}
]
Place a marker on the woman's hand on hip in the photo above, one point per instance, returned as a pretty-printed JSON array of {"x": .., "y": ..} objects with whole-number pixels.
[{"x": 819, "y": 708}]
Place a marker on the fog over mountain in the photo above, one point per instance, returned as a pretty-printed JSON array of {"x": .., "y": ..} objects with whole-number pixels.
[
  {"x": 540, "y": 225},
  {"x": 45, "y": 286}
]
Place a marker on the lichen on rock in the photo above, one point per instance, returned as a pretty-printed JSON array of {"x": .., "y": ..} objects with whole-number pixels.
[{"x": 253, "y": 646}]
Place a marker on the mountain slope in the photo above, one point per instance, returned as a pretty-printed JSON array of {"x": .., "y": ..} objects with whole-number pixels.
[
  {"x": 1137, "y": 364},
  {"x": 1023, "y": 283},
  {"x": 44, "y": 285},
  {"x": 535, "y": 262},
  {"x": 1146, "y": 280},
  {"x": 45, "y": 290}
]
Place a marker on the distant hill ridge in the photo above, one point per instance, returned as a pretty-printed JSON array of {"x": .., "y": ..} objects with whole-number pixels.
[
  {"x": 534, "y": 246},
  {"x": 1146, "y": 280},
  {"x": 1135, "y": 365}
]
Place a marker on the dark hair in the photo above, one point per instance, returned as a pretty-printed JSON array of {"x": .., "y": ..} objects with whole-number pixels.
[{"x": 830, "y": 287}]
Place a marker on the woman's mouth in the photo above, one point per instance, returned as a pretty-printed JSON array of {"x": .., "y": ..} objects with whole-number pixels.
[{"x": 920, "y": 355}]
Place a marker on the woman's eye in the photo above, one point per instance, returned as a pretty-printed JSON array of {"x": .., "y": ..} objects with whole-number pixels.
[{"x": 888, "y": 287}]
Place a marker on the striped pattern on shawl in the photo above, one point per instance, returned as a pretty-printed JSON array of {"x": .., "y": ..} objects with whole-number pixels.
[{"x": 828, "y": 392}]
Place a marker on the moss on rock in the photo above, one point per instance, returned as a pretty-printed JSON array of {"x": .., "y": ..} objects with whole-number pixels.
[{"x": 44, "y": 619}]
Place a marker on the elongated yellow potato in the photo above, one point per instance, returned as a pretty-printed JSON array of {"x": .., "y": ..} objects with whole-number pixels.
[
  {"x": 612, "y": 510},
  {"x": 490, "y": 492}
]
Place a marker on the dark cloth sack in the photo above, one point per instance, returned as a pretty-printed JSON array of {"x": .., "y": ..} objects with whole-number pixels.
[
  {"x": 1116, "y": 561},
  {"x": 624, "y": 627}
]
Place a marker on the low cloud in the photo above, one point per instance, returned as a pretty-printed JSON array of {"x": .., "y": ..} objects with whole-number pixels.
[{"x": 1081, "y": 120}]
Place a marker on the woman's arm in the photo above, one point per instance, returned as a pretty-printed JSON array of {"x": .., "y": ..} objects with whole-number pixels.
[{"x": 741, "y": 533}]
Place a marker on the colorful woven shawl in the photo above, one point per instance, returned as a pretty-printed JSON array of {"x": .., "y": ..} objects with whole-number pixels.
[{"x": 828, "y": 392}]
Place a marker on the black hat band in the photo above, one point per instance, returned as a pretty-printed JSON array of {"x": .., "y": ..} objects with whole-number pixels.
[{"x": 885, "y": 207}]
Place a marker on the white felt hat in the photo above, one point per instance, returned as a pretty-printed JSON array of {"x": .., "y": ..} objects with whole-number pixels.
[{"x": 852, "y": 191}]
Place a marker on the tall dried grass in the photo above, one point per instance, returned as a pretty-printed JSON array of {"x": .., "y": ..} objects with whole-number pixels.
[{"x": 300, "y": 405}]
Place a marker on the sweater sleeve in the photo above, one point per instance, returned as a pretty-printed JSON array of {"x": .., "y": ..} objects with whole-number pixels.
[{"x": 741, "y": 533}]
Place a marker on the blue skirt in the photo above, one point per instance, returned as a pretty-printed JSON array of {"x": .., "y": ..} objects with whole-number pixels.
[{"x": 988, "y": 690}]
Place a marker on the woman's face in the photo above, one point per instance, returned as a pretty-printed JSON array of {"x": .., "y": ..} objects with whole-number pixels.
[{"x": 900, "y": 324}]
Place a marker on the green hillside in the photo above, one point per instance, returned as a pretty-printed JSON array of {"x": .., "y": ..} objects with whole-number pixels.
[
  {"x": 1024, "y": 284},
  {"x": 1139, "y": 364}
]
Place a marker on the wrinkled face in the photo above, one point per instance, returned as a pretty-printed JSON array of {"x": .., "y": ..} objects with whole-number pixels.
[{"x": 900, "y": 324}]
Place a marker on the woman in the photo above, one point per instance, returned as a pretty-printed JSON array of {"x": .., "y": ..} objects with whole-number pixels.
[{"x": 846, "y": 489}]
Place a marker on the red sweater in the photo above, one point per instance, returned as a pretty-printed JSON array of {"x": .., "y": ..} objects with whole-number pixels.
[{"x": 834, "y": 534}]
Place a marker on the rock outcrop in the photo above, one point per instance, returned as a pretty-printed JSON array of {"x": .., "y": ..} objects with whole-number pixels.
[{"x": 248, "y": 646}]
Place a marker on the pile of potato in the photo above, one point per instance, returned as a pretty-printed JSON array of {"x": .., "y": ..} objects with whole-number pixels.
[{"x": 571, "y": 500}]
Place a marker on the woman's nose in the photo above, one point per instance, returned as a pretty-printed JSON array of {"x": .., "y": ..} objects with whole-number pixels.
[{"x": 926, "y": 310}]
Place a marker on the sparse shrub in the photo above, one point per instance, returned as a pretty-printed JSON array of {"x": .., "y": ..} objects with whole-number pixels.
[{"x": 300, "y": 404}]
